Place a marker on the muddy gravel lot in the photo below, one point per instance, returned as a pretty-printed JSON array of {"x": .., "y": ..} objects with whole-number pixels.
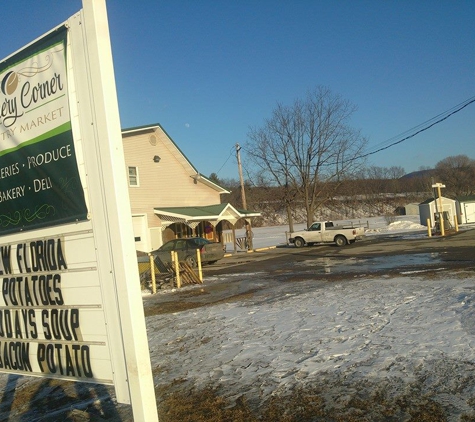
[{"x": 390, "y": 255}]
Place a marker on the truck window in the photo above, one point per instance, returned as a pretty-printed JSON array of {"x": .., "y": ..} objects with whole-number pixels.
[
  {"x": 328, "y": 224},
  {"x": 315, "y": 227}
]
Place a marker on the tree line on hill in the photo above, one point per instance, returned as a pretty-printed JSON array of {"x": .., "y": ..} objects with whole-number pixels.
[{"x": 374, "y": 191}]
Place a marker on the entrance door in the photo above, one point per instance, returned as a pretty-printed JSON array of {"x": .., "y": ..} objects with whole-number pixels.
[{"x": 139, "y": 223}]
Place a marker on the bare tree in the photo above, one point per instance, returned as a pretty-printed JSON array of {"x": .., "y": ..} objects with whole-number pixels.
[
  {"x": 386, "y": 173},
  {"x": 458, "y": 174},
  {"x": 308, "y": 148},
  {"x": 395, "y": 172}
]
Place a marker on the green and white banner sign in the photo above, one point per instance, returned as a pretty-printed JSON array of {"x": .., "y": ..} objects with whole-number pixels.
[{"x": 39, "y": 178}]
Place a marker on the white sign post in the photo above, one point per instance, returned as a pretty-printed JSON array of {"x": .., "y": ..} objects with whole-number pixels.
[{"x": 71, "y": 305}]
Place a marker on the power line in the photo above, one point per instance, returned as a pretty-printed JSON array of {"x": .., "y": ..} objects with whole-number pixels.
[
  {"x": 424, "y": 126},
  {"x": 446, "y": 115},
  {"x": 227, "y": 159}
]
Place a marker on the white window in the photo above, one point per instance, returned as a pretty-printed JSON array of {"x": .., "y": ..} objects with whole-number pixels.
[{"x": 133, "y": 176}]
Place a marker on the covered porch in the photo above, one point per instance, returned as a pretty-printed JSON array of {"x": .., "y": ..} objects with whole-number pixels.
[{"x": 208, "y": 222}]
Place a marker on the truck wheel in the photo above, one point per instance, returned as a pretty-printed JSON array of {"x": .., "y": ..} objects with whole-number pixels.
[
  {"x": 340, "y": 240},
  {"x": 299, "y": 242}
]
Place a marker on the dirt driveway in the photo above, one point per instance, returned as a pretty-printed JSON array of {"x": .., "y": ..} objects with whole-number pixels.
[{"x": 393, "y": 255}]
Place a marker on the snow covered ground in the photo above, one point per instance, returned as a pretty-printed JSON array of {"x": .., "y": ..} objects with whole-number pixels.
[{"x": 397, "y": 334}]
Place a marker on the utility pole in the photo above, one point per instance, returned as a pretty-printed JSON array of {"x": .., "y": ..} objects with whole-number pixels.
[{"x": 243, "y": 196}]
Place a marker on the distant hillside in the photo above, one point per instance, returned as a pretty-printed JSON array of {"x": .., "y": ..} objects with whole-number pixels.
[{"x": 419, "y": 174}]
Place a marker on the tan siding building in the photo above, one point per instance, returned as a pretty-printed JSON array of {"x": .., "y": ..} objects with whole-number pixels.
[{"x": 166, "y": 191}]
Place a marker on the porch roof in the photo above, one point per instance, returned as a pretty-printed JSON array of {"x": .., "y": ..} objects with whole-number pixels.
[
  {"x": 212, "y": 213},
  {"x": 468, "y": 198}
]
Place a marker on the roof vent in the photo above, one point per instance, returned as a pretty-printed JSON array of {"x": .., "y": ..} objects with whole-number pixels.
[{"x": 153, "y": 140}]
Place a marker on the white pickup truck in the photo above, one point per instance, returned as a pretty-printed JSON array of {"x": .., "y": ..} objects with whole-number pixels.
[{"x": 326, "y": 232}]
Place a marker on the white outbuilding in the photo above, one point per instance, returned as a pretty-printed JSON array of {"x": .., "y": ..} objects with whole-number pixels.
[
  {"x": 411, "y": 209},
  {"x": 466, "y": 209},
  {"x": 430, "y": 209}
]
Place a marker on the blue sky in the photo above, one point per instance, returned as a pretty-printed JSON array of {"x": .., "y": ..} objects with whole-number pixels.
[{"x": 207, "y": 71}]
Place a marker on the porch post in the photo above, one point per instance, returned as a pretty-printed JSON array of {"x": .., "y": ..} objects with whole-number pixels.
[
  {"x": 250, "y": 246},
  {"x": 234, "y": 239}
]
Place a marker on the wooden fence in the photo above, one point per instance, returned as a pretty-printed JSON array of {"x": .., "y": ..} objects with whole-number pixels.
[{"x": 156, "y": 274}]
